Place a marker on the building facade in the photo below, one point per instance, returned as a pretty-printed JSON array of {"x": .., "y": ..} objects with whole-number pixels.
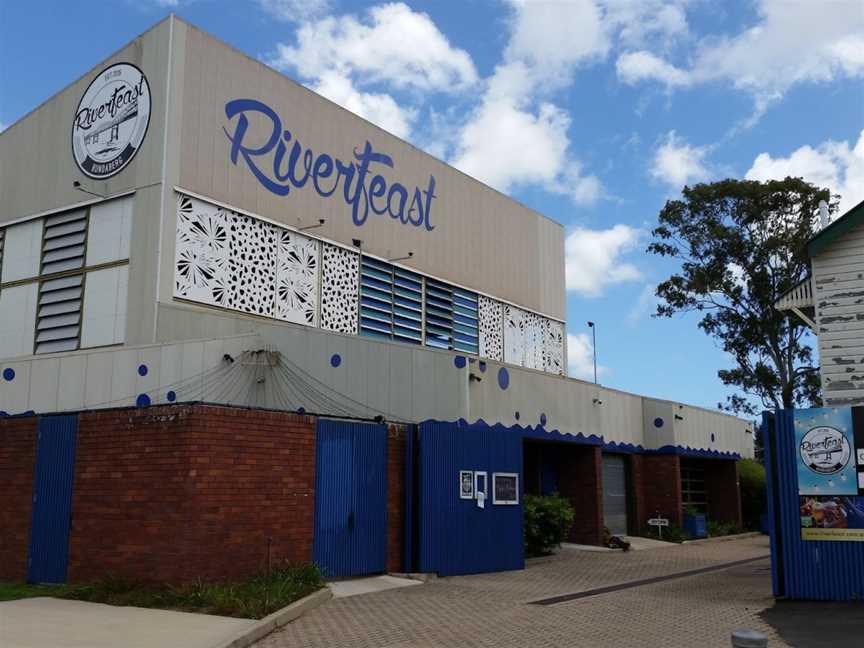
[{"x": 220, "y": 234}]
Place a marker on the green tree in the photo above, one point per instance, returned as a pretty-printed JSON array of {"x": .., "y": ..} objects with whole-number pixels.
[{"x": 741, "y": 245}]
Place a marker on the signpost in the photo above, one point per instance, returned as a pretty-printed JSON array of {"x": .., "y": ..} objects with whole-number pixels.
[{"x": 659, "y": 523}]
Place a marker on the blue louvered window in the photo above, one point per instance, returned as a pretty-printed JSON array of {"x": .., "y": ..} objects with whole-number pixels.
[
  {"x": 451, "y": 317},
  {"x": 391, "y": 302}
]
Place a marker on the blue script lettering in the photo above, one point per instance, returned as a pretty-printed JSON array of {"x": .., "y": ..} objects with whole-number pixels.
[{"x": 286, "y": 169}]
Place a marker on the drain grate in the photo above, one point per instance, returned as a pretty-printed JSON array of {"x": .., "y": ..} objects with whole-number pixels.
[{"x": 563, "y": 598}]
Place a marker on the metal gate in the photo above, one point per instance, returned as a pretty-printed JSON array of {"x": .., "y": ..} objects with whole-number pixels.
[
  {"x": 52, "y": 499},
  {"x": 615, "y": 494},
  {"x": 350, "y": 498}
]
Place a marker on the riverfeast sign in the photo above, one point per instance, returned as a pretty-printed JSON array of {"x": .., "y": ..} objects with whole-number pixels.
[
  {"x": 280, "y": 166},
  {"x": 831, "y": 472},
  {"x": 111, "y": 121}
]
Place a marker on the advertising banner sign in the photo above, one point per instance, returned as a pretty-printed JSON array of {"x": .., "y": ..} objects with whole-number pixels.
[{"x": 830, "y": 462}]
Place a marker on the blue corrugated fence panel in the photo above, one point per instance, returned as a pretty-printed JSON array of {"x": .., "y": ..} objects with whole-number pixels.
[
  {"x": 811, "y": 569},
  {"x": 350, "y": 535},
  {"x": 457, "y": 537},
  {"x": 52, "y": 499}
]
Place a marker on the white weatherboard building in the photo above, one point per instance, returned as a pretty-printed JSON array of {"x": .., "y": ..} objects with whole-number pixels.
[{"x": 209, "y": 209}]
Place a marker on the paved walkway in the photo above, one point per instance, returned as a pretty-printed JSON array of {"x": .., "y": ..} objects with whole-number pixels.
[
  {"x": 55, "y": 623},
  {"x": 495, "y": 610}
]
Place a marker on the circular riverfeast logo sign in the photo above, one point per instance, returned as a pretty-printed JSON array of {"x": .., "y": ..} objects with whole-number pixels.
[
  {"x": 825, "y": 450},
  {"x": 111, "y": 121}
]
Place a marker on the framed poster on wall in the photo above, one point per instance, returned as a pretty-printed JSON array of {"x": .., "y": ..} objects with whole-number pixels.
[
  {"x": 466, "y": 484},
  {"x": 828, "y": 442},
  {"x": 505, "y": 488}
]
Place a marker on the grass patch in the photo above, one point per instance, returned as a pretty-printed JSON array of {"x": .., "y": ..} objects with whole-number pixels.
[{"x": 254, "y": 598}]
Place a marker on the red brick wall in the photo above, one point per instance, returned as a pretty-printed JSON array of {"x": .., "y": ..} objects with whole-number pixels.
[
  {"x": 722, "y": 489},
  {"x": 661, "y": 487},
  {"x": 396, "y": 442},
  {"x": 581, "y": 483},
  {"x": 186, "y": 492},
  {"x": 17, "y": 462}
]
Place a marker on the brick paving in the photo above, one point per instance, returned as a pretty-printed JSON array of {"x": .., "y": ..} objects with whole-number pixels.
[{"x": 494, "y": 610}]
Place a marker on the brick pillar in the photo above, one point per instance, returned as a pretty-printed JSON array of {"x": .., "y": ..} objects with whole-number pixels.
[
  {"x": 661, "y": 487},
  {"x": 396, "y": 443},
  {"x": 581, "y": 483},
  {"x": 638, "y": 512},
  {"x": 722, "y": 490},
  {"x": 17, "y": 463}
]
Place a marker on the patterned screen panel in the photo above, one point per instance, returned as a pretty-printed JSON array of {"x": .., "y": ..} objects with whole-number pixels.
[
  {"x": 297, "y": 278},
  {"x": 202, "y": 267},
  {"x": 340, "y": 277},
  {"x": 554, "y": 348},
  {"x": 451, "y": 317},
  {"x": 491, "y": 328},
  {"x": 391, "y": 305}
]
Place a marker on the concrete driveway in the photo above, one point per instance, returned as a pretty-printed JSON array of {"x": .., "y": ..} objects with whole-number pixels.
[{"x": 55, "y": 623}]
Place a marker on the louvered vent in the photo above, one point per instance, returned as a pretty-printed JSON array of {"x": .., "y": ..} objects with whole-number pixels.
[
  {"x": 58, "y": 322},
  {"x": 391, "y": 302},
  {"x": 63, "y": 242},
  {"x": 451, "y": 317}
]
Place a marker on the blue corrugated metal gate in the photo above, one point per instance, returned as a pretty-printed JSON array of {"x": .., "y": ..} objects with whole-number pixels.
[
  {"x": 455, "y": 535},
  {"x": 802, "y": 569},
  {"x": 350, "y": 498},
  {"x": 52, "y": 499}
]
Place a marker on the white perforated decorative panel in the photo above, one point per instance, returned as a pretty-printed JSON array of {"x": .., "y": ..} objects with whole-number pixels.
[
  {"x": 252, "y": 265},
  {"x": 340, "y": 286},
  {"x": 202, "y": 267},
  {"x": 514, "y": 335},
  {"x": 491, "y": 329},
  {"x": 297, "y": 278},
  {"x": 554, "y": 348}
]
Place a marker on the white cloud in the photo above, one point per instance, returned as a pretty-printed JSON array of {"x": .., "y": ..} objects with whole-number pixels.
[
  {"x": 791, "y": 43},
  {"x": 594, "y": 259},
  {"x": 580, "y": 357},
  {"x": 639, "y": 66},
  {"x": 293, "y": 10},
  {"x": 645, "y": 305},
  {"x": 380, "y": 109},
  {"x": 835, "y": 165},
  {"x": 677, "y": 163},
  {"x": 394, "y": 45}
]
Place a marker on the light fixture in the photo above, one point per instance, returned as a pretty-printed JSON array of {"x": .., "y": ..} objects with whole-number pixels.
[
  {"x": 402, "y": 258},
  {"x": 597, "y": 401},
  {"x": 77, "y": 185},
  {"x": 358, "y": 243},
  {"x": 473, "y": 376},
  {"x": 308, "y": 227}
]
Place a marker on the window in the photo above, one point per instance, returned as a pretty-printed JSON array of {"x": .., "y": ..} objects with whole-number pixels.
[
  {"x": 451, "y": 317},
  {"x": 391, "y": 302},
  {"x": 693, "y": 485}
]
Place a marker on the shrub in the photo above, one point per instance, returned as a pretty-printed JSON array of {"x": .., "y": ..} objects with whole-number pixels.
[
  {"x": 717, "y": 529},
  {"x": 547, "y": 521},
  {"x": 751, "y": 477},
  {"x": 671, "y": 533}
]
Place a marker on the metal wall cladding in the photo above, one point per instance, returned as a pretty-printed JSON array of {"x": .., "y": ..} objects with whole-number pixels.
[
  {"x": 457, "y": 537},
  {"x": 802, "y": 569},
  {"x": 350, "y": 498},
  {"x": 52, "y": 499}
]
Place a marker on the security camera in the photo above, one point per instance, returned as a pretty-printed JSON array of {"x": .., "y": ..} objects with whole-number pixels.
[
  {"x": 357, "y": 242},
  {"x": 597, "y": 401}
]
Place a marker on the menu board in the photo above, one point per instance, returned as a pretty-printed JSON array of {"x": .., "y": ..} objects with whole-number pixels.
[
  {"x": 505, "y": 488},
  {"x": 830, "y": 463}
]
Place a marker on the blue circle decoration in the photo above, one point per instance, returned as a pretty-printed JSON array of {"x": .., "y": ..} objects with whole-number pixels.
[
  {"x": 658, "y": 422},
  {"x": 8, "y": 374},
  {"x": 482, "y": 366},
  {"x": 542, "y": 419},
  {"x": 517, "y": 415},
  {"x": 142, "y": 370},
  {"x": 459, "y": 361},
  {"x": 503, "y": 378},
  {"x": 335, "y": 360},
  {"x": 171, "y": 396},
  {"x": 143, "y": 400}
]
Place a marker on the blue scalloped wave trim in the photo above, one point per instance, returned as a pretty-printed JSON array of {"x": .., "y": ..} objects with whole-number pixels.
[{"x": 539, "y": 432}]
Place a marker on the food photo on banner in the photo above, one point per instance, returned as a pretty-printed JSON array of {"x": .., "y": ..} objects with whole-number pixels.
[{"x": 830, "y": 460}]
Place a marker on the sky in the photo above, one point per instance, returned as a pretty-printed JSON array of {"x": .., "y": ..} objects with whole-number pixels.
[{"x": 593, "y": 112}]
